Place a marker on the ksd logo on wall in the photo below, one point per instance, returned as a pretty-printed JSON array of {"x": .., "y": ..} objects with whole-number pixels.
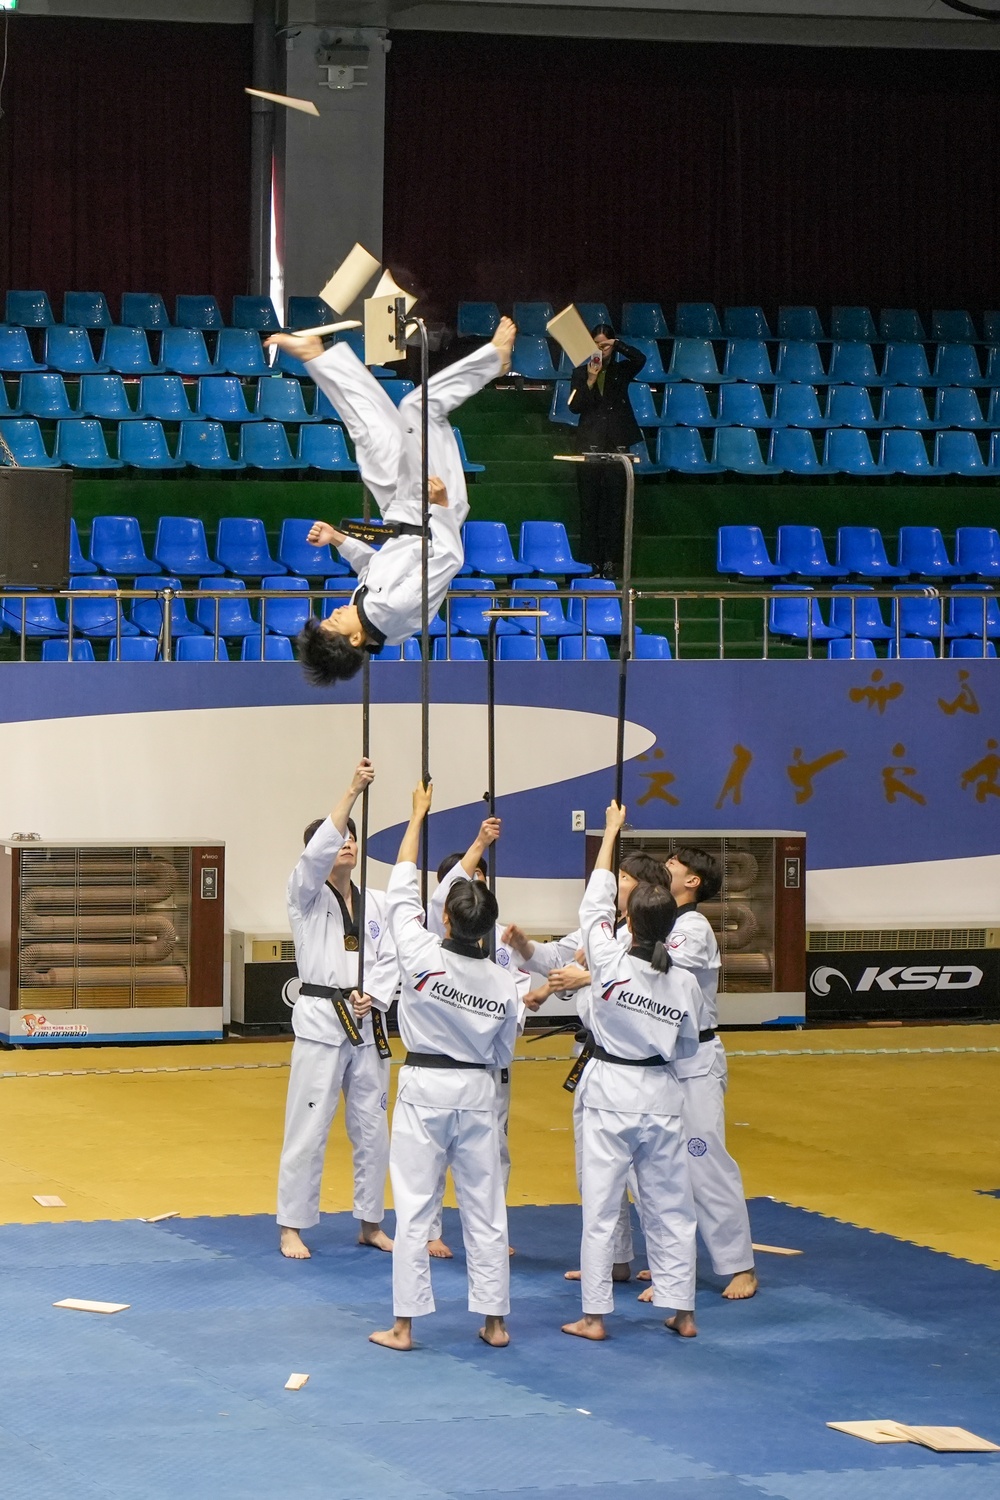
[{"x": 907, "y": 984}]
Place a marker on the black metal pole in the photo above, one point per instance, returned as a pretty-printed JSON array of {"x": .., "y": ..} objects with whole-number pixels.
[
  {"x": 491, "y": 740},
  {"x": 363, "y": 849},
  {"x": 262, "y": 146},
  {"x": 425, "y": 631},
  {"x": 626, "y": 642}
]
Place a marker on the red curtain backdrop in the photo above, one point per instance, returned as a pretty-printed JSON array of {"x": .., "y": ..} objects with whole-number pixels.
[
  {"x": 124, "y": 158},
  {"x": 543, "y": 168}
]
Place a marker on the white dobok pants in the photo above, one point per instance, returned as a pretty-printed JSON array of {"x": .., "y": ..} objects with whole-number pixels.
[
  {"x": 425, "y": 1142},
  {"x": 503, "y": 1121},
  {"x": 320, "y": 1073},
  {"x": 623, "y": 1249}
]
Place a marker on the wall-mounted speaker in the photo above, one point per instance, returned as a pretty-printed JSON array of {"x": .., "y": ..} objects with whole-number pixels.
[{"x": 35, "y": 510}]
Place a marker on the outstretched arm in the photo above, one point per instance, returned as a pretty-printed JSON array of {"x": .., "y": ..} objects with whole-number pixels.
[
  {"x": 363, "y": 777},
  {"x": 409, "y": 846},
  {"x": 614, "y": 820},
  {"x": 489, "y": 832}
]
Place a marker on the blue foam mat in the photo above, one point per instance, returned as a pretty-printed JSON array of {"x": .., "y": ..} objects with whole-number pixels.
[{"x": 183, "y": 1393}]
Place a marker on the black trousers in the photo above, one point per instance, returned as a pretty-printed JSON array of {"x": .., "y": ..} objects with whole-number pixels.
[{"x": 602, "y": 512}]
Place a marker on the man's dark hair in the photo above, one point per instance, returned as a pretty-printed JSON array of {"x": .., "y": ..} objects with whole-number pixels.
[
  {"x": 307, "y": 833},
  {"x": 699, "y": 862},
  {"x": 651, "y": 913},
  {"x": 644, "y": 868},
  {"x": 472, "y": 910},
  {"x": 451, "y": 860},
  {"x": 326, "y": 657}
]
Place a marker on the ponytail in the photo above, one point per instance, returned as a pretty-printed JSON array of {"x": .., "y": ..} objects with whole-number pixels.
[
  {"x": 660, "y": 958},
  {"x": 651, "y": 914}
]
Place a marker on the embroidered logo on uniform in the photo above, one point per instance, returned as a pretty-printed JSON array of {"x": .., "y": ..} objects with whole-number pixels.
[
  {"x": 675, "y": 942},
  {"x": 290, "y": 991},
  {"x": 503, "y": 957},
  {"x": 609, "y": 989},
  {"x": 374, "y": 929},
  {"x": 384, "y": 1101},
  {"x": 425, "y": 976},
  {"x": 696, "y": 1146},
  {"x": 312, "y": 1104}
]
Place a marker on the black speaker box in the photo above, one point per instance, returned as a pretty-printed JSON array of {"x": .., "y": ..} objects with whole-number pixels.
[{"x": 35, "y": 510}]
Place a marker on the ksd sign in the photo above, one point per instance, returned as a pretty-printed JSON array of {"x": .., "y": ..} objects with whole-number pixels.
[{"x": 910, "y": 985}]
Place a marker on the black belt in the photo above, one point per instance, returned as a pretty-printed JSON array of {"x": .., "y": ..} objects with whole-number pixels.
[
  {"x": 340, "y": 1000},
  {"x": 384, "y": 531},
  {"x": 591, "y": 1048},
  {"x": 441, "y": 1060},
  {"x": 707, "y": 1036}
]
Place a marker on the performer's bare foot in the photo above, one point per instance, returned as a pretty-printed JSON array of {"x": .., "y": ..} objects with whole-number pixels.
[
  {"x": 620, "y": 1271},
  {"x": 644, "y": 1276},
  {"x": 682, "y": 1323},
  {"x": 494, "y": 1332},
  {"x": 503, "y": 340},
  {"x": 646, "y": 1296},
  {"x": 292, "y": 1245},
  {"x": 399, "y": 1336},
  {"x": 590, "y": 1326},
  {"x": 439, "y": 1250},
  {"x": 744, "y": 1284},
  {"x": 307, "y": 348},
  {"x": 374, "y": 1235}
]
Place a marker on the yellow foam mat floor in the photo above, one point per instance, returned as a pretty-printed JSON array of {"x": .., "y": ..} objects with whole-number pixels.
[{"x": 893, "y": 1130}]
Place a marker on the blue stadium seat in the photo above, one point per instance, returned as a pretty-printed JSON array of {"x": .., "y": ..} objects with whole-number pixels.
[
  {"x": 994, "y": 450},
  {"x": 308, "y": 312},
  {"x": 687, "y": 406},
  {"x": 29, "y": 310},
  {"x": 905, "y": 406},
  {"x": 221, "y": 399},
  {"x": 227, "y": 617},
  {"x": 901, "y": 325},
  {"x": 905, "y": 364},
  {"x": 544, "y": 546},
  {"x": 745, "y": 323},
  {"x": 133, "y": 648},
  {"x": 286, "y": 616},
  {"x": 69, "y": 350},
  {"x": 595, "y": 313},
  {"x": 467, "y": 465},
  {"x": 458, "y": 648},
  {"x": 859, "y": 616},
  {"x": 697, "y": 320},
  {"x": 203, "y": 446},
  {"x": 280, "y": 400},
  {"x": 257, "y": 313},
  {"x": 396, "y": 388},
  {"x": 920, "y": 614},
  {"x": 595, "y": 613},
  {"x": 242, "y": 548},
  {"x": 681, "y": 448},
  {"x": 559, "y": 408},
  {"x": 142, "y": 444},
  {"x": 44, "y": 396},
  {"x": 652, "y": 648},
  {"x": 59, "y": 650},
  {"x": 742, "y": 553},
  {"x": 798, "y": 617},
  {"x": 6, "y": 410},
  {"x": 144, "y": 310},
  {"x": 80, "y": 444},
  {"x": 954, "y": 327},
  {"x": 923, "y": 553},
  {"x": 848, "y": 449},
  {"x": 959, "y": 408},
  {"x": 183, "y": 352},
  {"x": 964, "y": 648},
  {"x": 912, "y": 648},
  {"x": 240, "y": 352},
  {"x": 104, "y": 396},
  {"x": 164, "y": 398},
  {"x": 852, "y": 325},
  {"x": 958, "y": 453},
  {"x": 98, "y": 618},
  {"x": 794, "y": 448},
  {"x": 532, "y": 357},
  {"x": 861, "y": 552},
  {"x": 802, "y": 554},
  {"x": 477, "y": 320},
  {"x": 23, "y": 437},
  {"x": 531, "y": 317},
  {"x": 856, "y": 650},
  {"x": 77, "y": 562},
  {"x": 116, "y": 546},
  {"x": 738, "y": 449},
  {"x": 86, "y": 310},
  {"x": 395, "y": 653},
  {"x": 488, "y": 550},
  {"x": 653, "y": 371},
  {"x": 202, "y": 648},
  {"x": 799, "y": 363},
  {"x": 147, "y": 614},
  {"x": 644, "y": 320},
  {"x": 181, "y": 548},
  {"x": 693, "y": 359},
  {"x": 743, "y": 406},
  {"x": 322, "y": 445},
  {"x": 854, "y": 364},
  {"x": 977, "y": 551},
  {"x": 797, "y": 406},
  {"x": 850, "y": 406},
  {"x": 198, "y": 311},
  {"x": 35, "y": 616},
  {"x": 554, "y": 621},
  {"x": 264, "y": 445},
  {"x": 287, "y": 364},
  {"x": 973, "y": 610},
  {"x": 571, "y": 648},
  {"x": 126, "y": 350},
  {"x": 15, "y": 351},
  {"x": 800, "y": 322},
  {"x": 904, "y": 453},
  {"x": 520, "y": 648},
  {"x": 958, "y": 364},
  {"x": 747, "y": 359},
  {"x": 276, "y": 648},
  {"x": 643, "y": 406},
  {"x": 298, "y": 556},
  {"x": 465, "y": 613}
]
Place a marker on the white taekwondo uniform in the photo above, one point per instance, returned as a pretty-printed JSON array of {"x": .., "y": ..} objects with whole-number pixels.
[
  {"x": 324, "y": 1062},
  {"x": 387, "y": 444},
  {"x": 507, "y": 959},
  {"x": 723, "y": 1222},
  {"x": 461, "y": 1008},
  {"x": 631, "y": 1114}
]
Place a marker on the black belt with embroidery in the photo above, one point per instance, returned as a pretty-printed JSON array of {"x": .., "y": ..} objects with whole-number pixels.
[
  {"x": 372, "y": 533},
  {"x": 441, "y": 1060},
  {"x": 592, "y": 1048},
  {"x": 341, "y": 1002}
]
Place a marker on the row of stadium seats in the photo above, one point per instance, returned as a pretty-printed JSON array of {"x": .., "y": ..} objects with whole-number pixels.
[
  {"x": 279, "y": 648},
  {"x": 845, "y": 450},
  {"x": 974, "y": 617},
  {"x": 801, "y": 553},
  {"x": 149, "y": 311},
  {"x": 221, "y": 398},
  {"x": 700, "y": 320},
  {"x": 80, "y": 443}
]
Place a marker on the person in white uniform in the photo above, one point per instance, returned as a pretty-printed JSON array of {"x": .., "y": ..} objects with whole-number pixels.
[
  {"x": 340, "y": 1045},
  {"x": 385, "y": 609},
  {"x": 640, "y": 1012},
  {"x": 472, "y": 866},
  {"x": 458, "y": 1020}
]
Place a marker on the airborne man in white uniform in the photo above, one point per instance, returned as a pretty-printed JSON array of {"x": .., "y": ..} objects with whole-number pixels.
[
  {"x": 458, "y": 1020},
  {"x": 328, "y": 1017}
]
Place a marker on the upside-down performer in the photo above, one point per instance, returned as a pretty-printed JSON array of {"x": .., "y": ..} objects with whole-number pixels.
[{"x": 386, "y": 606}]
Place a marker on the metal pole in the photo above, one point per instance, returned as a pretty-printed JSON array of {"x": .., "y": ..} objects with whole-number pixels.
[
  {"x": 627, "y": 642},
  {"x": 425, "y": 632},
  {"x": 363, "y": 849},
  {"x": 491, "y": 743},
  {"x": 262, "y": 145}
]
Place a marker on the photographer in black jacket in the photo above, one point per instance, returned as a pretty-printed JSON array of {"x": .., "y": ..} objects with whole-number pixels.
[{"x": 599, "y": 396}]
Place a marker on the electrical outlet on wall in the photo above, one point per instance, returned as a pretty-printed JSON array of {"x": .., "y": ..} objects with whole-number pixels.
[{"x": 578, "y": 821}]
